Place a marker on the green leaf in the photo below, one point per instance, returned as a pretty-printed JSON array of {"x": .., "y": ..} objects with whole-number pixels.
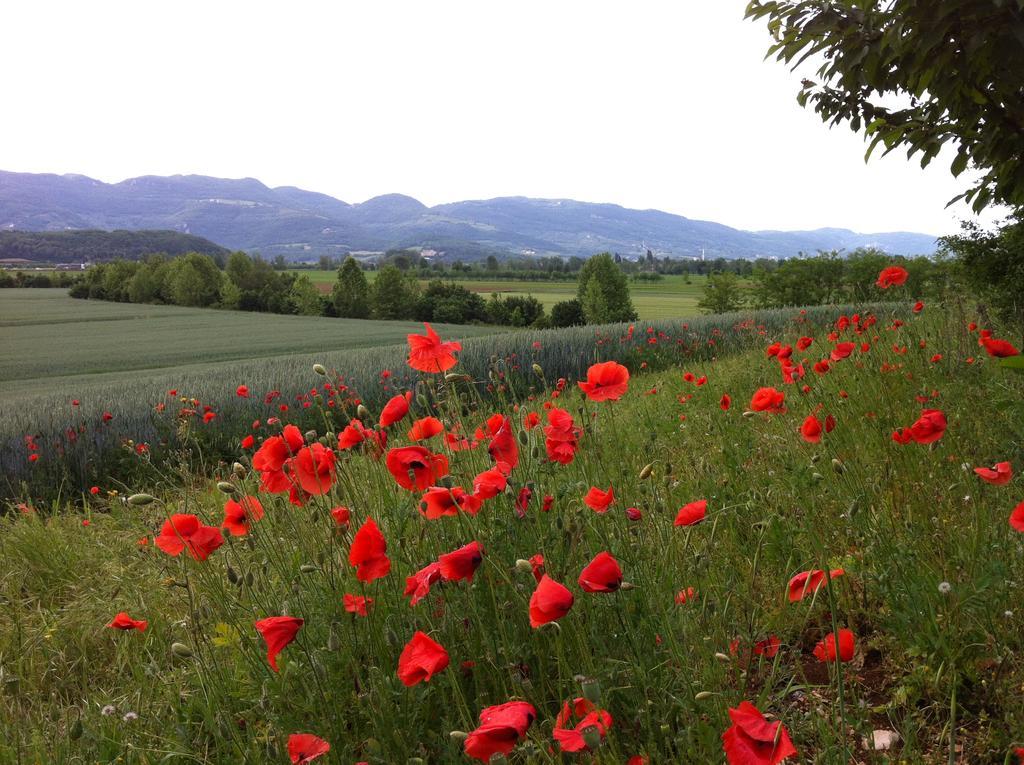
[{"x": 1013, "y": 363}]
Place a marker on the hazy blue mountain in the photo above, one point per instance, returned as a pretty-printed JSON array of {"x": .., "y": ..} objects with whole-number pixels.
[{"x": 246, "y": 214}]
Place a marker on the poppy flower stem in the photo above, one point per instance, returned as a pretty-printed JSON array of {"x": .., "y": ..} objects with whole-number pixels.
[{"x": 838, "y": 663}]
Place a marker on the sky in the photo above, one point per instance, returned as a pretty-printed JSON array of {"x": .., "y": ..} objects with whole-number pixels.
[{"x": 665, "y": 104}]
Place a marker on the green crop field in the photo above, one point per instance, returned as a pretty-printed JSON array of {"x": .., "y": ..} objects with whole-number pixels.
[
  {"x": 51, "y": 342},
  {"x": 670, "y": 298}
]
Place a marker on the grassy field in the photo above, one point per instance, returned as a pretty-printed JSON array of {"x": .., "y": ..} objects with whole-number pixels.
[
  {"x": 51, "y": 342},
  {"x": 701, "y": 618},
  {"x": 670, "y": 298}
]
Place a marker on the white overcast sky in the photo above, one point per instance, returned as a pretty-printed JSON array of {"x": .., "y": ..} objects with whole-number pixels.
[{"x": 668, "y": 105}]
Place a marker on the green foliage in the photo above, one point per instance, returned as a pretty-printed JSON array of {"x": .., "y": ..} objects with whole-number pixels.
[
  {"x": 394, "y": 294},
  {"x": 97, "y": 246},
  {"x": 193, "y": 280},
  {"x": 514, "y": 310},
  {"x": 351, "y": 293},
  {"x": 449, "y": 302},
  {"x": 567, "y": 313},
  {"x": 722, "y": 294},
  {"x": 991, "y": 263},
  {"x": 916, "y": 74},
  {"x": 603, "y": 291},
  {"x": 305, "y": 297}
]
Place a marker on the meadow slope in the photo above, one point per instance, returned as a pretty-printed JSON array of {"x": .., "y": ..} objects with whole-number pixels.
[{"x": 704, "y": 616}]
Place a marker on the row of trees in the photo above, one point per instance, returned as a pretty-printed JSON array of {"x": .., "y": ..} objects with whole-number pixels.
[
  {"x": 252, "y": 284},
  {"x": 38, "y": 278}
]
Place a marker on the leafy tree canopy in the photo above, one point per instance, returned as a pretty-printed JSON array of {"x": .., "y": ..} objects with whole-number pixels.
[{"x": 954, "y": 68}]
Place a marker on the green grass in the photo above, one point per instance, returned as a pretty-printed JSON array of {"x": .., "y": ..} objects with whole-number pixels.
[
  {"x": 53, "y": 343},
  {"x": 670, "y": 298},
  {"x": 941, "y": 666}
]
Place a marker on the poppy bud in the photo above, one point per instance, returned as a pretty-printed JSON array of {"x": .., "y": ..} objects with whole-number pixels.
[
  {"x": 591, "y": 690},
  {"x": 456, "y": 377},
  {"x": 310, "y": 436},
  {"x": 307, "y": 568},
  {"x": 75, "y": 732},
  {"x": 226, "y": 533},
  {"x": 181, "y": 650},
  {"x": 232, "y": 575},
  {"x": 249, "y": 579},
  {"x": 592, "y": 737},
  {"x": 523, "y": 438},
  {"x": 648, "y": 469},
  {"x": 238, "y": 469},
  {"x": 524, "y": 566},
  {"x": 250, "y": 543},
  {"x": 838, "y": 466},
  {"x": 627, "y": 586},
  {"x": 537, "y": 370},
  {"x": 748, "y": 413},
  {"x": 498, "y": 759},
  {"x": 319, "y": 369},
  {"x": 362, "y": 412},
  {"x": 12, "y": 684},
  {"x": 141, "y": 499},
  {"x": 333, "y": 642},
  {"x": 703, "y": 695},
  {"x": 226, "y": 488},
  {"x": 817, "y": 476},
  {"x": 722, "y": 658},
  {"x": 458, "y": 736}
]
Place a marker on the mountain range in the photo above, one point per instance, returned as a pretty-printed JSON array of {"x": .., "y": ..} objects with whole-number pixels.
[{"x": 245, "y": 214}]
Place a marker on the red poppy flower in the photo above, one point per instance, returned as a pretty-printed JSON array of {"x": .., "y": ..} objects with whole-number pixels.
[
  {"x": 549, "y": 602},
  {"x": 841, "y": 351},
  {"x": 273, "y": 453},
  {"x": 725, "y": 402},
  {"x": 415, "y": 467},
  {"x": 607, "y": 381},
  {"x": 249, "y": 441},
  {"x": 242, "y": 391},
  {"x": 439, "y": 502},
  {"x": 503, "y": 448},
  {"x": 489, "y": 484},
  {"x": 684, "y": 596},
  {"x": 424, "y": 428},
  {"x": 547, "y": 503},
  {"x": 768, "y": 647},
  {"x": 810, "y": 431},
  {"x": 124, "y": 622},
  {"x": 1017, "y": 518},
  {"x": 892, "y": 276},
  {"x": 561, "y": 437},
  {"x": 523, "y": 501},
  {"x": 183, "y": 531},
  {"x": 341, "y": 516},
  {"x": 918, "y": 307},
  {"x": 353, "y": 435},
  {"x": 768, "y": 400},
  {"x": 278, "y": 632},
  {"x": 804, "y": 343},
  {"x": 501, "y": 728},
  {"x": 752, "y": 740},
  {"x": 1000, "y": 349},
  {"x": 462, "y": 563},
  {"x": 421, "y": 659},
  {"x": 692, "y": 513},
  {"x": 825, "y": 650},
  {"x": 395, "y": 410},
  {"x": 531, "y": 420},
  {"x": 634, "y": 514},
  {"x": 208, "y": 416},
  {"x": 367, "y": 553},
  {"x": 808, "y": 582},
  {"x": 572, "y": 739},
  {"x": 997, "y": 475},
  {"x": 429, "y": 354},
  {"x": 305, "y": 747},
  {"x": 599, "y": 501},
  {"x": 417, "y": 586},
  {"x": 238, "y": 515},
  {"x": 930, "y": 426},
  {"x": 602, "y": 574},
  {"x": 357, "y": 604},
  {"x": 313, "y": 469}
]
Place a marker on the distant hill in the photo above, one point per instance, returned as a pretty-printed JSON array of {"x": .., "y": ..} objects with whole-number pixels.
[
  {"x": 246, "y": 214},
  {"x": 78, "y": 246}
]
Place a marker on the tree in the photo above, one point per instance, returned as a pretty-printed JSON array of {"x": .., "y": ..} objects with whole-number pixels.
[
  {"x": 194, "y": 280},
  {"x": 351, "y": 293},
  {"x": 568, "y": 313},
  {"x": 393, "y": 295},
  {"x": 991, "y": 263},
  {"x": 603, "y": 292},
  {"x": 916, "y": 74},
  {"x": 722, "y": 293},
  {"x": 305, "y": 297}
]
